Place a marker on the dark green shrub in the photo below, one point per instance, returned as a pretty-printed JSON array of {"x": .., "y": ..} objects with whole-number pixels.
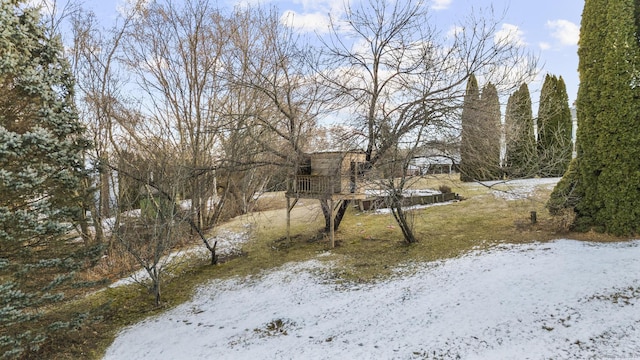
[{"x": 565, "y": 195}]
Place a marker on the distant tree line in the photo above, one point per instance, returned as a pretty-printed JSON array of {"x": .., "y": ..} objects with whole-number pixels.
[{"x": 527, "y": 153}]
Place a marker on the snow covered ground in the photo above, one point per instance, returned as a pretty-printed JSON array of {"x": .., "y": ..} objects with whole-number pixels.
[
  {"x": 519, "y": 189},
  {"x": 228, "y": 243},
  {"x": 559, "y": 300}
]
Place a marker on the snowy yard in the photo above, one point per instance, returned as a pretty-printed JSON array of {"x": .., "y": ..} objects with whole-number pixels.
[
  {"x": 519, "y": 189},
  {"x": 560, "y": 300}
]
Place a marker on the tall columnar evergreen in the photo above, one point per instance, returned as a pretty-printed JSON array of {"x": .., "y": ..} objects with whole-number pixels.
[
  {"x": 41, "y": 167},
  {"x": 480, "y": 145},
  {"x": 605, "y": 182},
  {"x": 470, "y": 110},
  {"x": 521, "y": 153},
  {"x": 554, "y": 128},
  {"x": 490, "y": 134}
]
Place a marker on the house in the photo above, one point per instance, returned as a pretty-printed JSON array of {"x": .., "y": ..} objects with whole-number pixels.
[{"x": 433, "y": 164}]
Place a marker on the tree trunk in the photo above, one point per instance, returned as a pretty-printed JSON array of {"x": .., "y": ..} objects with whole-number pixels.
[
  {"x": 105, "y": 203},
  {"x": 214, "y": 257},
  {"x": 401, "y": 219},
  {"x": 326, "y": 211},
  {"x": 155, "y": 282},
  {"x": 156, "y": 291}
]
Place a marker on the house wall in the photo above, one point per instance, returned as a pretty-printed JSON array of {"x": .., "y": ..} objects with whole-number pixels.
[
  {"x": 329, "y": 164},
  {"x": 338, "y": 165}
]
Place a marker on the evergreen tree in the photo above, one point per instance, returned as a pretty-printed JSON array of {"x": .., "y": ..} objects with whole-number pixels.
[
  {"x": 521, "y": 153},
  {"x": 554, "y": 128},
  {"x": 41, "y": 168},
  {"x": 480, "y": 148},
  {"x": 490, "y": 133},
  {"x": 469, "y": 119},
  {"x": 607, "y": 176}
]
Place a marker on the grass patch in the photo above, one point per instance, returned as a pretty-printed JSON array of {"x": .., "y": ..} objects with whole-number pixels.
[
  {"x": 373, "y": 246},
  {"x": 369, "y": 247}
]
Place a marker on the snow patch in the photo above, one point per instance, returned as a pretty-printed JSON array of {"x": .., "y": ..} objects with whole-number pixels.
[
  {"x": 519, "y": 189},
  {"x": 563, "y": 300},
  {"x": 414, "y": 207},
  {"x": 229, "y": 242}
]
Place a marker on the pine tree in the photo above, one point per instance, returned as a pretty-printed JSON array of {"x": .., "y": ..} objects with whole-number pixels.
[
  {"x": 618, "y": 140},
  {"x": 491, "y": 132},
  {"x": 591, "y": 52},
  {"x": 41, "y": 169},
  {"x": 469, "y": 119},
  {"x": 606, "y": 178},
  {"x": 480, "y": 148},
  {"x": 521, "y": 153},
  {"x": 554, "y": 128}
]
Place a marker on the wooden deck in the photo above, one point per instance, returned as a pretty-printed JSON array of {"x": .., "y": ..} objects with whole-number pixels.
[
  {"x": 323, "y": 187},
  {"x": 380, "y": 202},
  {"x": 334, "y": 177}
]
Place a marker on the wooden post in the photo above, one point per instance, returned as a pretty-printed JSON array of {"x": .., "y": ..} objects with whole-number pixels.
[
  {"x": 331, "y": 224},
  {"x": 288, "y": 218},
  {"x": 534, "y": 217},
  {"x": 289, "y": 208}
]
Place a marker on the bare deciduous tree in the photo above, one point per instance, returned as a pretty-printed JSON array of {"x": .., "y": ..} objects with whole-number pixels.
[
  {"x": 161, "y": 223},
  {"x": 174, "y": 53},
  {"x": 271, "y": 66},
  {"x": 400, "y": 73},
  {"x": 232, "y": 95},
  {"x": 101, "y": 94}
]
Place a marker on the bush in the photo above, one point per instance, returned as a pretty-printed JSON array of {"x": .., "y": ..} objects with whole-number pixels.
[
  {"x": 564, "y": 195},
  {"x": 444, "y": 189},
  {"x": 563, "y": 221}
]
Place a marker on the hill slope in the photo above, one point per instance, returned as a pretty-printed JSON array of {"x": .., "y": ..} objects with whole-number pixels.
[{"x": 564, "y": 299}]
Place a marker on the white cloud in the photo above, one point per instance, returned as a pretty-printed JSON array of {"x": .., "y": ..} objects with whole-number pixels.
[
  {"x": 312, "y": 15},
  {"x": 247, "y": 3},
  {"x": 312, "y": 22},
  {"x": 544, "y": 45},
  {"x": 564, "y": 31},
  {"x": 47, "y": 4},
  {"x": 510, "y": 34},
  {"x": 313, "y": 5},
  {"x": 441, "y": 4},
  {"x": 454, "y": 31},
  {"x": 127, "y": 7},
  {"x": 46, "y": 7}
]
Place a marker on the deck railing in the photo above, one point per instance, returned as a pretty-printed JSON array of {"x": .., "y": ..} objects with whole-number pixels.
[{"x": 312, "y": 185}]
